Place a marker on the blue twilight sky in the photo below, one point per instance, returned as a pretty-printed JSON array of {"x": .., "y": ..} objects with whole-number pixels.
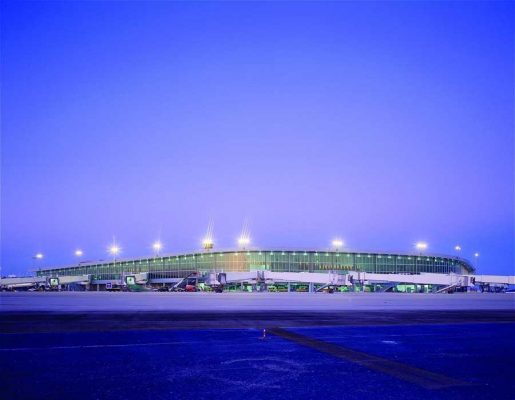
[{"x": 382, "y": 123}]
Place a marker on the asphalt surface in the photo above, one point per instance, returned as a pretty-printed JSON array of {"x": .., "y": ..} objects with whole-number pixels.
[
  {"x": 42, "y": 322},
  {"x": 462, "y": 361},
  {"x": 259, "y": 346},
  {"x": 157, "y": 301}
]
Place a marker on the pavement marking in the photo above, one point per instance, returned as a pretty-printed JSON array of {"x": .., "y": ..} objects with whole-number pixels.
[
  {"x": 418, "y": 376},
  {"x": 90, "y": 346}
]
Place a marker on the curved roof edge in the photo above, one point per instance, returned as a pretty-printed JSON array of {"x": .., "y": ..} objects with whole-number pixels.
[{"x": 466, "y": 263}]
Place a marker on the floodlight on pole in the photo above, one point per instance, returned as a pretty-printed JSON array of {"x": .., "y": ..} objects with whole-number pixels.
[
  {"x": 157, "y": 246},
  {"x": 78, "y": 253},
  {"x": 114, "y": 250},
  {"x": 337, "y": 244},
  {"x": 457, "y": 248},
  {"x": 207, "y": 243},
  {"x": 421, "y": 246},
  {"x": 243, "y": 241},
  {"x": 476, "y": 257},
  {"x": 35, "y": 258}
]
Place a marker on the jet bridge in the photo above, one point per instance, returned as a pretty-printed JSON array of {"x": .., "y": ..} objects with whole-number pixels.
[
  {"x": 494, "y": 279},
  {"x": 46, "y": 281},
  {"x": 269, "y": 277},
  {"x": 417, "y": 279},
  {"x": 24, "y": 282},
  {"x": 444, "y": 281}
]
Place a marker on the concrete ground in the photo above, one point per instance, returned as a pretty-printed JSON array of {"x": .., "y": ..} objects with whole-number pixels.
[
  {"x": 464, "y": 361},
  {"x": 157, "y": 301},
  {"x": 256, "y": 346}
]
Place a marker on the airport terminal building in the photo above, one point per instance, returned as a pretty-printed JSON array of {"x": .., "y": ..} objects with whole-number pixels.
[
  {"x": 182, "y": 265},
  {"x": 309, "y": 267},
  {"x": 268, "y": 270}
]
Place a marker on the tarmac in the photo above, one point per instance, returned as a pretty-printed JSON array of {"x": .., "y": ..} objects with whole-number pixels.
[
  {"x": 199, "y": 301},
  {"x": 113, "y": 346},
  {"x": 104, "y": 311}
]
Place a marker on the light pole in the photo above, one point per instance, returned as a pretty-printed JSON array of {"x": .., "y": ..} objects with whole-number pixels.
[
  {"x": 78, "y": 253},
  {"x": 114, "y": 250},
  {"x": 337, "y": 244},
  {"x": 476, "y": 257},
  {"x": 157, "y": 246},
  {"x": 421, "y": 246},
  {"x": 35, "y": 258},
  {"x": 207, "y": 243},
  {"x": 243, "y": 242}
]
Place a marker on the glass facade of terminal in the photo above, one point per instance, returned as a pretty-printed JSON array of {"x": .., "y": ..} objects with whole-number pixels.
[{"x": 179, "y": 266}]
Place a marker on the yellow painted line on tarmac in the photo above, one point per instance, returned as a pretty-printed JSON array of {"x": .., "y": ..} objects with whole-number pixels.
[{"x": 405, "y": 372}]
